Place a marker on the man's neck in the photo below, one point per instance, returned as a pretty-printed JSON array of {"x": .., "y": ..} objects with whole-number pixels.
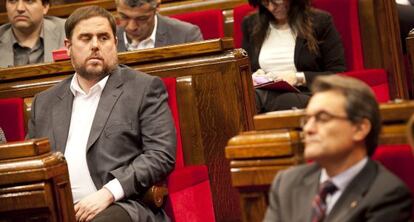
[
  {"x": 29, "y": 37},
  {"x": 336, "y": 166},
  {"x": 85, "y": 84}
]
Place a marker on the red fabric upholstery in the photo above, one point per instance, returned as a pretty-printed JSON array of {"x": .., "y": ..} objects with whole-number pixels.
[
  {"x": 346, "y": 19},
  {"x": 376, "y": 79},
  {"x": 211, "y": 22},
  {"x": 398, "y": 159},
  {"x": 238, "y": 14},
  {"x": 189, "y": 197},
  {"x": 12, "y": 119}
]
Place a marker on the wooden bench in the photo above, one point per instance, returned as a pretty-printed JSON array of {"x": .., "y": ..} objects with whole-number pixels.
[
  {"x": 220, "y": 84},
  {"x": 276, "y": 144},
  {"x": 34, "y": 183}
]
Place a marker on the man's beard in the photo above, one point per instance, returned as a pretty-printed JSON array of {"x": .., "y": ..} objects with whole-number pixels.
[{"x": 93, "y": 74}]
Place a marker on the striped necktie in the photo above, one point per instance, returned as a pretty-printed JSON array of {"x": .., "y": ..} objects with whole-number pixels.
[{"x": 319, "y": 202}]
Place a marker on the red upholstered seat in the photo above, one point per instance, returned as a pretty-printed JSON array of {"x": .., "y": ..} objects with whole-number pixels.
[
  {"x": 346, "y": 18},
  {"x": 211, "y": 22},
  {"x": 12, "y": 119},
  {"x": 239, "y": 12},
  {"x": 189, "y": 194}
]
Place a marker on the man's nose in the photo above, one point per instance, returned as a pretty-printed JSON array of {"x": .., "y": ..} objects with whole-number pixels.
[
  {"x": 95, "y": 43},
  {"x": 21, "y": 6},
  {"x": 131, "y": 25}
]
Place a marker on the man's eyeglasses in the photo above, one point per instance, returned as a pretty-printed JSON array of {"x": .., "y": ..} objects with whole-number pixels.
[
  {"x": 321, "y": 118},
  {"x": 274, "y": 2}
]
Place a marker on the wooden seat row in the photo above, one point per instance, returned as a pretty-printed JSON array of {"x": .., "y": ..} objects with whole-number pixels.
[
  {"x": 212, "y": 72},
  {"x": 276, "y": 143}
]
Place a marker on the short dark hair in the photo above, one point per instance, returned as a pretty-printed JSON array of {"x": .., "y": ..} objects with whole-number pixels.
[
  {"x": 138, "y": 3},
  {"x": 88, "y": 12},
  {"x": 360, "y": 103},
  {"x": 45, "y": 2}
]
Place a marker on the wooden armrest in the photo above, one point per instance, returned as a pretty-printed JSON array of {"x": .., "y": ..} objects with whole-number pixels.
[{"x": 154, "y": 197}]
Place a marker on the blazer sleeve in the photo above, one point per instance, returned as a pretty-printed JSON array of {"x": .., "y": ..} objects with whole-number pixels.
[
  {"x": 273, "y": 210},
  {"x": 332, "y": 59},
  {"x": 158, "y": 143}
]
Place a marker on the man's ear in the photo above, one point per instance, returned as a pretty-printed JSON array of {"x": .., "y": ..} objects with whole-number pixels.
[
  {"x": 362, "y": 129},
  {"x": 68, "y": 45},
  {"x": 46, "y": 8}
]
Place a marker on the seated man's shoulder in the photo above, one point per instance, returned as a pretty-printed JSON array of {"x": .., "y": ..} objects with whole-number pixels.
[
  {"x": 387, "y": 181},
  {"x": 296, "y": 174},
  {"x": 176, "y": 24},
  {"x": 4, "y": 28},
  {"x": 60, "y": 22}
]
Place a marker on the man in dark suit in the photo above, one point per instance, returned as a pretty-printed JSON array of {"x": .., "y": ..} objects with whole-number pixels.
[
  {"x": 141, "y": 27},
  {"x": 341, "y": 130},
  {"x": 112, "y": 123}
]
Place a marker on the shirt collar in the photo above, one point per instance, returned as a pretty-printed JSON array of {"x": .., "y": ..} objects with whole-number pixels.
[
  {"x": 150, "y": 39},
  {"x": 77, "y": 90},
  {"x": 14, "y": 40},
  {"x": 342, "y": 180}
]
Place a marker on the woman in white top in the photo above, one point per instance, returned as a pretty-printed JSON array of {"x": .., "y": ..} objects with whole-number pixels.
[{"x": 291, "y": 41}]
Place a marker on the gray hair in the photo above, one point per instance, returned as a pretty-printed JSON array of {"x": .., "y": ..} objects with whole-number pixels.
[{"x": 138, "y": 3}]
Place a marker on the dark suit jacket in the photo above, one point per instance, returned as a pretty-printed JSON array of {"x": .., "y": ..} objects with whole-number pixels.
[
  {"x": 169, "y": 31},
  {"x": 329, "y": 60},
  {"x": 132, "y": 136},
  {"x": 378, "y": 194}
]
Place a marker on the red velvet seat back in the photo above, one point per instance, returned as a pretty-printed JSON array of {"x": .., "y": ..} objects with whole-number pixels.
[
  {"x": 239, "y": 12},
  {"x": 170, "y": 84},
  {"x": 12, "y": 119},
  {"x": 211, "y": 22},
  {"x": 346, "y": 19}
]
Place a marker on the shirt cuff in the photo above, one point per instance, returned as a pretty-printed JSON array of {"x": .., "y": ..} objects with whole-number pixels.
[
  {"x": 301, "y": 80},
  {"x": 114, "y": 186}
]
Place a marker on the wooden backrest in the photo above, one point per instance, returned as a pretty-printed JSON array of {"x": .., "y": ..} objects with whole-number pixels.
[
  {"x": 256, "y": 156},
  {"x": 34, "y": 183},
  {"x": 220, "y": 85}
]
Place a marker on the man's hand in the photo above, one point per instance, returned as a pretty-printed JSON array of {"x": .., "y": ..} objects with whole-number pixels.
[
  {"x": 288, "y": 77},
  {"x": 87, "y": 208}
]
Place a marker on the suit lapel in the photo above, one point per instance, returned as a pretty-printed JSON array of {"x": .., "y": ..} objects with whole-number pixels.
[
  {"x": 161, "y": 34},
  {"x": 305, "y": 194},
  {"x": 61, "y": 116},
  {"x": 7, "y": 47},
  {"x": 109, "y": 96},
  {"x": 50, "y": 39},
  {"x": 353, "y": 194}
]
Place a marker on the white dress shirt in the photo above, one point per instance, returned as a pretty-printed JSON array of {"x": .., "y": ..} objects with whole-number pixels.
[
  {"x": 83, "y": 112},
  {"x": 403, "y": 2},
  {"x": 147, "y": 43},
  {"x": 341, "y": 181}
]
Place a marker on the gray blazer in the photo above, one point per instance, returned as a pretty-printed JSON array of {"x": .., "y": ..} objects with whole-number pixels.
[
  {"x": 132, "y": 136},
  {"x": 53, "y": 34},
  {"x": 170, "y": 31},
  {"x": 373, "y": 195}
]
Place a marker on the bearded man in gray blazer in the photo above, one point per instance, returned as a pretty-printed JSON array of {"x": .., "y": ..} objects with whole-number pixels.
[
  {"x": 341, "y": 130},
  {"x": 141, "y": 27},
  {"x": 112, "y": 123},
  {"x": 29, "y": 37}
]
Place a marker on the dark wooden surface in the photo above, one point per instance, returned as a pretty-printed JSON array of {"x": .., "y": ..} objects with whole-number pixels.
[
  {"x": 381, "y": 42},
  {"x": 410, "y": 54},
  {"x": 256, "y": 156},
  {"x": 220, "y": 86},
  {"x": 34, "y": 183}
]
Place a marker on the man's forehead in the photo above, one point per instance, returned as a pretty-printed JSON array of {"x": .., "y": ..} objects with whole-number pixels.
[
  {"x": 330, "y": 101},
  {"x": 94, "y": 24}
]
